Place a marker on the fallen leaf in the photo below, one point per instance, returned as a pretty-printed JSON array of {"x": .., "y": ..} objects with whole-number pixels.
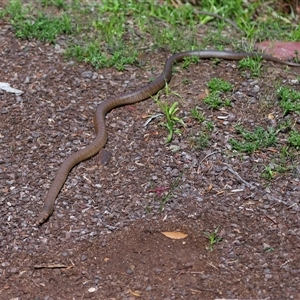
[
  {"x": 203, "y": 95},
  {"x": 136, "y": 293},
  {"x": 271, "y": 116},
  {"x": 175, "y": 235}
]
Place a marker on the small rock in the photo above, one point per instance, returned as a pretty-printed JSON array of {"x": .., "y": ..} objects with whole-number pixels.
[{"x": 87, "y": 74}]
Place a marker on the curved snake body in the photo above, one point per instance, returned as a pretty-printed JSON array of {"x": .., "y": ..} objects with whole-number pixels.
[{"x": 130, "y": 98}]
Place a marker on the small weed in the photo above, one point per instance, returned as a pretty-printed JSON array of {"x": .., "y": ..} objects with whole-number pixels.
[
  {"x": 214, "y": 101},
  {"x": 294, "y": 139},
  {"x": 253, "y": 64},
  {"x": 60, "y": 4},
  {"x": 210, "y": 125},
  {"x": 186, "y": 81},
  {"x": 165, "y": 193},
  {"x": 187, "y": 61},
  {"x": 197, "y": 115},
  {"x": 172, "y": 119},
  {"x": 219, "y": 85},
  {"x": 91, "y": 53},
  {"x": 269, "y": 249},
  {"x": 272, "y": 170},
  {"x": 43, "y": 28},
  {"x": 216, "y": 87},
  {"x": 289, "y": 100},
  {"x": 253, "y": 141},
  {"x": 268, "y": 173},
  {"x": 213, "y": 238},
  {"x": 170, "y": 114},
  {"x": 201, "y": 141}
]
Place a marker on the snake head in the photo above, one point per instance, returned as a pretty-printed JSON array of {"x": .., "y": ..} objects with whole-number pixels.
[{"x": 43, "y": 216}]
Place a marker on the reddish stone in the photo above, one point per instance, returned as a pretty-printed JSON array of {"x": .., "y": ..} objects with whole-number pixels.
[{"x": 282, "y": 50}]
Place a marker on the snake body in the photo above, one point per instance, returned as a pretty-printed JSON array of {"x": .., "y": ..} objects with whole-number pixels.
[{"x": 130, "y": 98}]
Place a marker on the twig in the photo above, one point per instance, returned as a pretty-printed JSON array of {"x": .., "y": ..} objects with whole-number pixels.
[
  {"x": 237, "y": 175},
  {"x": 206, "y": 156},
  {"x": 50, "y": 266},
  {"x": 279, "y": 201}
]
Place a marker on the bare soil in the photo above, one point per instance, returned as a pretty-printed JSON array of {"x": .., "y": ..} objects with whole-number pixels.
[{"x": 104, "y": 239}]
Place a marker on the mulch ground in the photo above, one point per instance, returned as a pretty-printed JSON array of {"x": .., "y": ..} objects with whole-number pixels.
[{"x": 104, "y": 239}]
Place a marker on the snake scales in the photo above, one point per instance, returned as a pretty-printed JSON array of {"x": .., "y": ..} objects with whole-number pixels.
[{"x": 130, "y": 98}]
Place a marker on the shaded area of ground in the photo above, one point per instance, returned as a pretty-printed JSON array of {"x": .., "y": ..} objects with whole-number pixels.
[{"x": 104, "y": 239}]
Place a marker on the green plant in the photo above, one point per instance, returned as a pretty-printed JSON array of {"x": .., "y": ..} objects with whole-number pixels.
[
  {"x": 273, "y": 169},
  {"x": 294, "y": 139},
  {"x": 37, "y": 26},
  {"x": 187, "y": 61},
  {"x": 210, "y": 125},
  {"x": 214, "y": 101},
  {"x": 216, "y": 87},
  {"x": 253, "y": 64},
  {"x": 197, "y": 115},
  {"x": 289, "y": 99},
  {"x": 172, "y": 119},
  {"x": 219, "y": 85},
  {"x": 268, "y": 173},
  {"x": 170, "y": 192},
  {"x": 201, "y": 141},
  {"x": 169, "y": 112},
  {"x": 91, "y": 53},
  {"x": 213, "y": 238},
  {"x": 120, "y": 29},
  {"x": 163, "y": 194},
  {"x": 61, "y": 4},
  {"x": 269, "y": 249},
  {"x": 255, "y": 140}
]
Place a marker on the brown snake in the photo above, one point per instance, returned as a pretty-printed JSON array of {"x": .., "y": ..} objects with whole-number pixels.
[{"x": 130, "y": 98}]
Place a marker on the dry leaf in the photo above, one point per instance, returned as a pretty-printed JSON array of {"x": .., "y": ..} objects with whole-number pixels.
[
  {"x": 135, "y": 293},
  {"x": 271, "y": 116},
  {"x": 175, "y": 235}
]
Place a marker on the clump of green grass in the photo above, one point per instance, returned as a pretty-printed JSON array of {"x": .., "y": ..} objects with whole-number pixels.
[
  {"x": 214, "y": 101},
  {"x": 252, "y": 141},
  {"x": 201, "y": 140},
  {"x": 39, "y": 26},
  {"x": 217, "y": 87},
  {"x": 294, "y": 139},
  {"x": 60, "y": 4},
  {"x": 289, "y": 99},
  {"x": 92, "y": 53},
  {"x": 252, "y": 64},
  {"x": 272, "y": 170},
  {"x": 197, "y": 115}
]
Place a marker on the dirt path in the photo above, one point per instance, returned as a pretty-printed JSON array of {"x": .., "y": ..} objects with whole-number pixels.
[{"x": 104, "y": 239}]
